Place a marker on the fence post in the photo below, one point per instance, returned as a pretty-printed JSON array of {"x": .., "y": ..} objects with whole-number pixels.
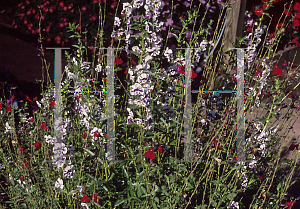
[{"x": 234, "y": 27}]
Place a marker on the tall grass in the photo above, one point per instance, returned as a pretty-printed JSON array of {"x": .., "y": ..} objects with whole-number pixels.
[{"x": 149, "y": 133}]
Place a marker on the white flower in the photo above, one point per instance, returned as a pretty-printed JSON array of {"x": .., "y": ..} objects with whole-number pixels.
[
  {"x": 233, "y": 205},
  {"x": 98, "y": 68},
  {"x": 68, "y": 171},
  {"x": 148, "y": 58},
  {"x": 75, "y": 62},
  {"x": 59, "y": 183},
  {"x": 147, "y": 27},
  {"x": 203, "y": 45},
  {"x": 84, "y": 206},
  {"x": 50, "y": 139},
  {"x": 136, "y": 49},
  {"x": 117, "y": 21},
  {"x": 137, "y": 4},
  {"x": 203, "y": 121},
  {"x": 80, "y": 189},
  {"x": 127, "y": 40},
  {"x": 38, "y": 104},
  {"x": 8, "y": 128},
  {"x": 127, "y": 8},
  {"x": 169, "y": 54}
]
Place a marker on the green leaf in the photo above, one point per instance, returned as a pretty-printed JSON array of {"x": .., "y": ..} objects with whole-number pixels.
[
  {"x": 23, "y": 205},
  {"x": 279, "y": 186},
  {"x": 89, "y": 151},
  {"x": 134, "y": 53},
  {"x": 175, "y": 36},
  {"x": 164, "y": 121},
  {"x": 173, "y": 143},
  {"x": 119, "y": 202},
  {"x": 230, "y": 196},
  {"x": 183, "y": 23},
  {"x": 139, "y": 190},
  {"x": 111, "y": 176}
]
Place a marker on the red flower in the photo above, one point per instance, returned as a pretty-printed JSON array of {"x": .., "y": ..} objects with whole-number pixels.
[
  {"x": 93, "y": 18},
  {"x": 149, "y": 154},
  {"x": 22, "y": 178},
  {"x": 180, "y": 69},
  {"x": 160, "y": 149},
  {"x": 288, "y": 12},
  {"x": 293, "y": 146},
  {"x": 27, "y": 97},
  {"x": 43, "y": 126},
  {"x": 113, "y": 5},
  {"x": 133, "y": 62},
  {"x": 8, "y": 108},
  {"x": 258, "y": 12},
  {"x": 21, "y": 150},
  {"x": 216, "y": 143},
  {"x": 265, "y": 6},
  {"x": 290, "y": 204},
  {"x": 260, "y": 178},
  {"x": 52, "y": 103},
  {"x": 25, "y": 165},
  {"x": 272, "y": 35},
  {"x": 296, "y": 22},
  {"x": 96, "y": 134},
  {"x": 31, "y": 120},
  {"x": 258, "y": 72},
  {"x": 297, "y": 7},
  {"x": 276, "y": 70},
  {"x": 37, "y": 145},
  {"x": 284, "y": 63},
  {"x": 95, "y": 198},
  {"x": 280, "y": 25},
  {"x": 77, "y": 98},
  {"x": 83, "y": 8},
  {"x": 295, "y": 41},
  {"x": 194, "y": 75},
  {"x": 84, "y": 135},
  {"x": 35, "y": 99},
  {"x": 1, "y": 105},
  {"x": 118, "y": 61},
  {"x": 126, "y": 72},
  {"x": 85, "y": 198},
  {"x": 206, "y": 95}
]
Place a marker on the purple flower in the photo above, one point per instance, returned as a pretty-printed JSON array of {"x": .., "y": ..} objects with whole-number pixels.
[
  {"x": 186, "y": 4},
  {"x": 188, "y": 35},
  {"x": 169, "y": 22},
  {"x": 164, "y": 12},
  {"x": 164, "y": 28}
]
